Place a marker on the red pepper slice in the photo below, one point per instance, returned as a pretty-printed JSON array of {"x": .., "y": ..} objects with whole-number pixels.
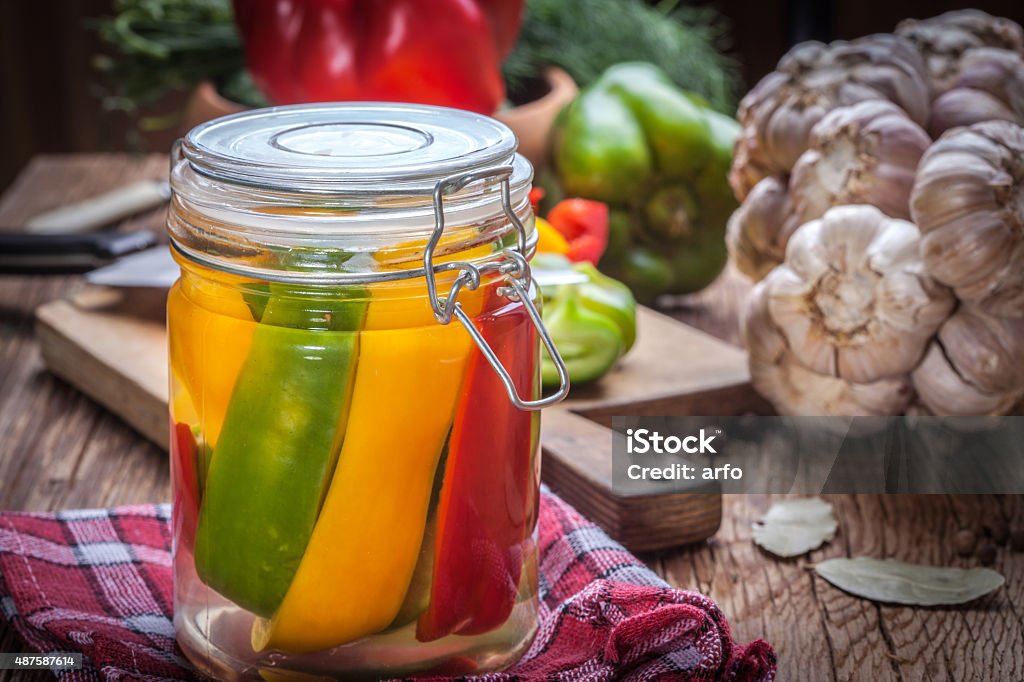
[
  {"x": 445, "y": 52},
  {"x": 584, "y": 224},
  {"x": 487, "y": 507},
  {"x": 536, "y": 196},
  {"x": 185, "y": 474}
]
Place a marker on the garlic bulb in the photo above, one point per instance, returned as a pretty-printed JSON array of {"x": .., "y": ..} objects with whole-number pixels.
[
  {"x": 942, "y": 40},
  {"x": 989, "y": 86},
  {"x": 853, "y": 299},
  {"x": 812, "y": 79},
  {"x": 968, "y": 202},
  {"x": 795, "y": 390},
  {"x": 758, "y": 231},
  {"x": 975, "y": 365},
  {"x": 857, "y": 310},
  {"x": 863, "y": 154}
]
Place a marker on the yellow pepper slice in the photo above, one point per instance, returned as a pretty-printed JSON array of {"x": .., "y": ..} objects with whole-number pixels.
[
  {"x": 209, "y": 342},
  {"x": 360, "y": 559},
  {"x": 550, "y": 240}
]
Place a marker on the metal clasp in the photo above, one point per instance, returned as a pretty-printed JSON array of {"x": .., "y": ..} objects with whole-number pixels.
[{"x": 514, "y": 267}]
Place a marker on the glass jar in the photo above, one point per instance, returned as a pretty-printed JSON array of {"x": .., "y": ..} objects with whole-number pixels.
[{"x": 354, "y": 385}]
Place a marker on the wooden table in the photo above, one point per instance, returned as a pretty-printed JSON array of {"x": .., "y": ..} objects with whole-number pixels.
[{"x": 60, "y": 450}]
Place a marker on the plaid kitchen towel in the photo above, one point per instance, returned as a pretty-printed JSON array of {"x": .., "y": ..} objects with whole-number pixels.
[{"x": 99, "y": 582}]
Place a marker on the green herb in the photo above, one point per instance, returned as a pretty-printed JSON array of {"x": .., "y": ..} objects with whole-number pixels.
[
  {"x": 162, "y": 46},
  {"x": 585, "y": 37}
]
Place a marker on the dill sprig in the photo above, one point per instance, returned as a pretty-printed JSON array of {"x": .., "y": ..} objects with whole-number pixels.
[
  {"x": 162, "y": 46},
  {"x": 585, "y": 37}
]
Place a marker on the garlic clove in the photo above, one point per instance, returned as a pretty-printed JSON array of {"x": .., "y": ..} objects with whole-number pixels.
[
  {"x": 964, "y": 106},
  {"x": 986, "y": 350},
  {"x": 786, "y": 130},
  {"x": 948, "y": 394},
  {"x": 989, "y": 85},
  {"x": 746, "y": 170},
  {"x": 908, "y": 291},
  {"x": 794, "y": 312},
  {"x": 973, "y": 367},
  {"x": 808, "y": 252},
  {"x": 761, "y": 335},
  {"x": 758, "y": 231},
  {"x": 968, "y": 201},
  {"x": 942, "y": 40},
  {"x": 970, "y": 264}
]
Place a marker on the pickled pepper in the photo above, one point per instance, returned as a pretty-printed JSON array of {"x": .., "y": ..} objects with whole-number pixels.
[
  {"x": 357, "y": 568},
  {"x": 487, "y": 509},
  {"x": 276, "y": 453},
  {"x": 210, "y": 322},
  {"x": 185, "y": 466}
]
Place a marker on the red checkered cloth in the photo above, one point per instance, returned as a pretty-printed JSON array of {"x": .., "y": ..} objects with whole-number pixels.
[{"x": 99, "y": 582}]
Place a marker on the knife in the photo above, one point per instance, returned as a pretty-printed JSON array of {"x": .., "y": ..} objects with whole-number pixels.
[
  {"x": 90, "y": 214},
  {"x": 152, "y": 268},
  {"x": 36, "y": 254}
]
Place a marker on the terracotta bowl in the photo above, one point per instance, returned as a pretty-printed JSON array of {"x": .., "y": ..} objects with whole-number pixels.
[{"x": 531, "y": 122}]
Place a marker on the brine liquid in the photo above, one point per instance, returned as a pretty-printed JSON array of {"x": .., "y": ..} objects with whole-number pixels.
[{"x": 354, "y": 495}]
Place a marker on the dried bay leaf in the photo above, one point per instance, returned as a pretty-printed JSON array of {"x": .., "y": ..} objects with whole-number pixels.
[
  {"x": 795, "y": 527},
  {"x": 897, "y": 582}
]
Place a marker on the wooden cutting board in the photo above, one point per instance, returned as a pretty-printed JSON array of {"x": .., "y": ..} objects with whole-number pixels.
[{"x": 112, "y": 345}]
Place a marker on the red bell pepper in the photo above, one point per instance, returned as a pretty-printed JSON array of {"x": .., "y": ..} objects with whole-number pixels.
[
  {"x": 487, "y": 508},
  {"x": 444, "y": 52},
  {"x": 584, "y": 224}
]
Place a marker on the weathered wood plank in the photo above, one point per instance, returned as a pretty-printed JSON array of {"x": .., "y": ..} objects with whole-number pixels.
[
  {"x": 851, "y": 625},
  {"x": 52, "y": 180},
  {"x": 955, "y": 641}
]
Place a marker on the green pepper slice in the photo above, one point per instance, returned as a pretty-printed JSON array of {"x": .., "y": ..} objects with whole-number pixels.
[{"x": 278, "y": 447}]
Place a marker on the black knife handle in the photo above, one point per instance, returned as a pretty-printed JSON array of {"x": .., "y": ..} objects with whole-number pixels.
[
  {"x": 99, "y": 244},
  {"x": 22, "y": 253}
]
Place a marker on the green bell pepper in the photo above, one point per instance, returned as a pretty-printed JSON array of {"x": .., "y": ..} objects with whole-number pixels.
[
  {"x": 592, "y": 322},
  {"x": 279, "y": 444},
  {"x": 659, "y": 157}
]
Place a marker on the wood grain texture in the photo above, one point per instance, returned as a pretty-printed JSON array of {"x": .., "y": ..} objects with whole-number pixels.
[
  {"x": 102, "y": 342},
  {"x": 59, "y": 449}
]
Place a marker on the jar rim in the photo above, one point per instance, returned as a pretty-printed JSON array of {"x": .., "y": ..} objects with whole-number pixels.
[
  {"x": 359, "y": 185},
  {"x": 350, "y": 148}
]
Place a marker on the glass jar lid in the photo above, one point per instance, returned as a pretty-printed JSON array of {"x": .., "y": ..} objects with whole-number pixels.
[{"x": 359, "y": 148}]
